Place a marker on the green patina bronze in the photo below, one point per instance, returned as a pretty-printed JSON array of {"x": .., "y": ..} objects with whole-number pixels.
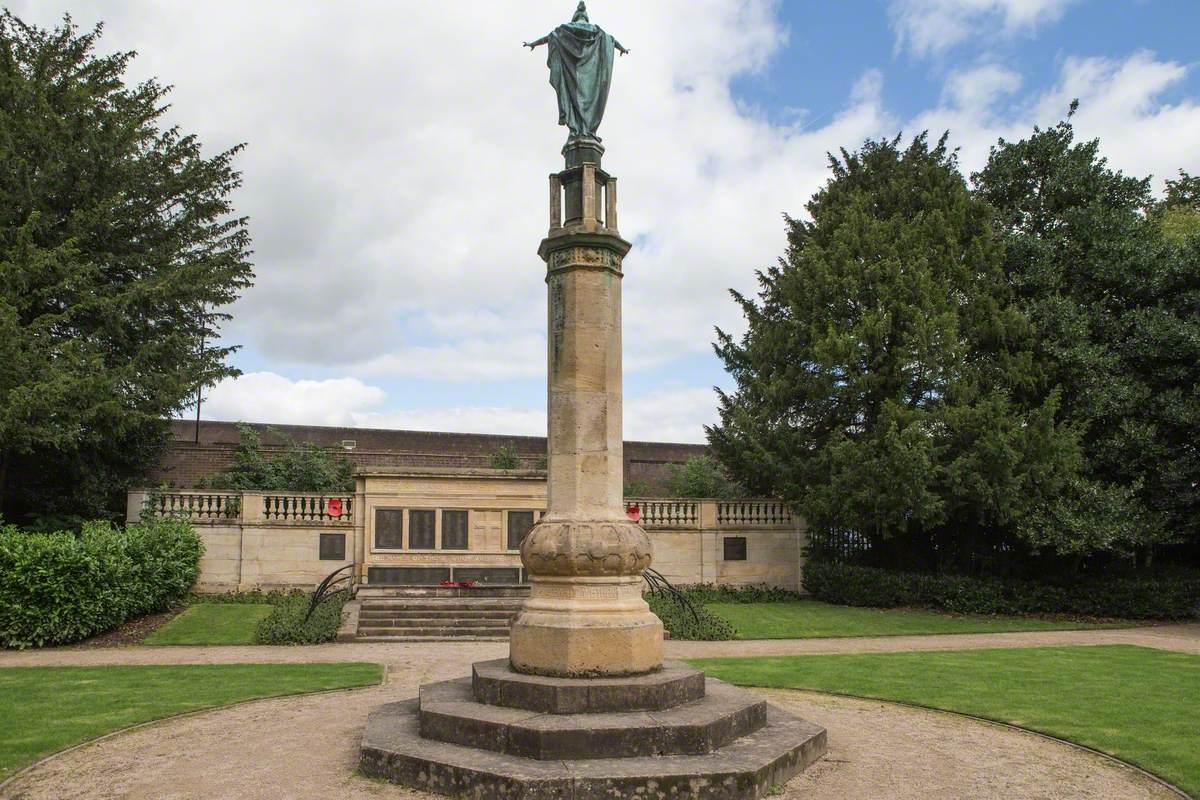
[{"x": 580, "y": 58}]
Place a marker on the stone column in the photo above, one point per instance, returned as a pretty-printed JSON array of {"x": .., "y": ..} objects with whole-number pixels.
[{"x": 585, "y": 615}]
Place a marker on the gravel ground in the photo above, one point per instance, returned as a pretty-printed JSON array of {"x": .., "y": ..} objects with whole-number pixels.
[
  {"x": 1180, "y": 638},
  {"x": 307, "y": 747}
]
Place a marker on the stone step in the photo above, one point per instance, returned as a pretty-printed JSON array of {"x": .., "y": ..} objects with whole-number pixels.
[
  {"x": 430, "y": 592},
  {"x": 448, "y": 713},
  {"x": 422, "y": 613},
  {"x": 496, "y": 683},
  {"x": 449, "y": 605},
  {"x": 416, "y": 639},
  {"x": 420, "y": 622},
  {"x": 454, "y": 632},
  {"x": 393, "y": 749}
]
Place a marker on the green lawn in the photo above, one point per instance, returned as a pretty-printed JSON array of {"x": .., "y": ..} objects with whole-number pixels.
[
  {"x": 1138, "y": 704},
  {"x": 46, "y": 709},
  {"x": 212, "y": 623},
  {"x": 811, "y": 619}
]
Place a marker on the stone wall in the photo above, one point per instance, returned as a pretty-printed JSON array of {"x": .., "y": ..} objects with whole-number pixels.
[
  {"x": 258, "y": 540},
  {"x": 186, "y": 461}
]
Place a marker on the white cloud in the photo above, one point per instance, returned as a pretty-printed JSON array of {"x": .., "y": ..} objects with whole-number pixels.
[
  {"x": 979, "y": 88},
  {"x": 395, "y": 176},
  {"x": 673, "y": 415},
  {"x": 1121, "y": 103},
  {"x": 930, "y": 27},
  {"x": 267, "y": 397},
  {"x": 397, "y": 161}
]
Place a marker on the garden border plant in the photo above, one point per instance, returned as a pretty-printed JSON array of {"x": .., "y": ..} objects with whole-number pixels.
[
  {"x": 1168, "y": 596},
  {"x": 62, "y": 587}
]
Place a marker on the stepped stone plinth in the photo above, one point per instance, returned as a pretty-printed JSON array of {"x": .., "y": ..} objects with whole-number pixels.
[{"x": 668, "y": 734}]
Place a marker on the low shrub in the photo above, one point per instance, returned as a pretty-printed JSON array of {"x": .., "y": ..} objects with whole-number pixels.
[
  {"x": 286, "y": 624},
  {"x": 1166, "y": 596},
  {"x": 62, "y": 587},
  {"x": 680, "y": 623}
]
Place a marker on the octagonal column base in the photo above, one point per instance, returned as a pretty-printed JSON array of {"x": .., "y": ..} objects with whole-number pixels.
[{"x": 586, "y": 627}]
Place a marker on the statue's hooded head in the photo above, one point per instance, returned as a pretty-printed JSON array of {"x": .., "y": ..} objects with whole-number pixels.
[{"x": 580, "y": 13}]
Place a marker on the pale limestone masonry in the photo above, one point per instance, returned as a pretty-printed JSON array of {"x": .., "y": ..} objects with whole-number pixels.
[{"x": 245, "y": 549}]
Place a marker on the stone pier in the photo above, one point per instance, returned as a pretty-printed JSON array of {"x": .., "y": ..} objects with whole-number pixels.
[
  {"x": 585, "y": 558},
  {"x": 584, "y": 708}
]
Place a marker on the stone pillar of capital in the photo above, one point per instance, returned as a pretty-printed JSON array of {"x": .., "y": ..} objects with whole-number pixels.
[{"x": 585, "y": 615}]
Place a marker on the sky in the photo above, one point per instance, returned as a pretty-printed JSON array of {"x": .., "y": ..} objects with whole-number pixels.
[{"x": 396, "y": 157}]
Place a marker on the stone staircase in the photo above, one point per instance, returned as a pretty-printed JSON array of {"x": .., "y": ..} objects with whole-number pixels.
[{"x": 415, "y": 614}]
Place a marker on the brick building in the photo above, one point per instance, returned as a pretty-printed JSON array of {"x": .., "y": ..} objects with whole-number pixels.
[{"x": 187, "y": 460}]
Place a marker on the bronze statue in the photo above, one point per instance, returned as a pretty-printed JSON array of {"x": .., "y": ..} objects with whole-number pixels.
[{"x": 580, "y": 57}]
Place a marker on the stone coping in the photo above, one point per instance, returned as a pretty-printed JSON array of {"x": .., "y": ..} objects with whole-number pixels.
[{"x": 449, "y": 472}]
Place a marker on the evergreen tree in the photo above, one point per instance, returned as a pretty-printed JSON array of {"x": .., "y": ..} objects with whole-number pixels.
[
  {"x": 886, "y": 382},
  {"x": 1111, "y": 283},
  {"x": 117, "y": 248}
]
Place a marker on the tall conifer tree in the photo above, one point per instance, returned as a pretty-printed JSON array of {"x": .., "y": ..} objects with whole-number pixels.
[
  {"x": 118, "y": 249},
  {"x": 1110, "y": 280},
  {"x": 886, "y": 382}
]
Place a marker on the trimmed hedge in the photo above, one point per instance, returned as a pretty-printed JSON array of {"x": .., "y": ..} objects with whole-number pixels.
[
  {"x": 57, "y": 588},
  {"x": 1166, "y": 597},
  {"x": 286, "y": 625}
]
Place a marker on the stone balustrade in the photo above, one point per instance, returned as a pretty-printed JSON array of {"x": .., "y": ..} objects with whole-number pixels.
[
  {"x": 683, "y": 514},
  {"x": 752, "y": 513},
  {"x": 195, "y": 506},
  {"x": 225, "y": 508},
  {"x": 658, "y": 513}
]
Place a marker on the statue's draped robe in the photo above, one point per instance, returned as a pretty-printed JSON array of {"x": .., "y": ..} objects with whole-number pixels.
[{"x": 580, "y": 57}]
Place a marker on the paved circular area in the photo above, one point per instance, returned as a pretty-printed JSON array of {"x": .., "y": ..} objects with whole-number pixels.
[{"x": 307, "y": 747}]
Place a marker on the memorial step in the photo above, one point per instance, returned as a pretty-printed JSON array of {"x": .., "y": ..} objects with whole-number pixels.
[
  {"x": 448, "y": 605},
  {"x": 425, "y": 622},
  {"x": 432, "y": 632},
  {"x": 752, "y": 766},
  {"x": 449, "y": 713},
  {"x": 433, "y": 592},
  {"x": 427, "y": 639},
  {"x": 383, "y": 617},
  {"x": 437, "y": 611}
]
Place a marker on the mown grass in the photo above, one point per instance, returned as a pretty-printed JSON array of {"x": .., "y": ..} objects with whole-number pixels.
[
  {"x": 812, "y": 619},
  {"x": 46, "y": 709},
  {"x": 1138, "y": 704},
  {"x": 211, "y": 623}
]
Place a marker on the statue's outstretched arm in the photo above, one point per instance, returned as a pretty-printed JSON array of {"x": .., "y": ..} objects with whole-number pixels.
[
  {"x": 540, "y": 41},
  {"x": 623, "y": 50}
]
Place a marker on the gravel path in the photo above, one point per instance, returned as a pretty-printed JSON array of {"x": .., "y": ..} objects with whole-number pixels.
[
  {"x": 307, "y": 747},
  {"x": 1180, "y": 638}
]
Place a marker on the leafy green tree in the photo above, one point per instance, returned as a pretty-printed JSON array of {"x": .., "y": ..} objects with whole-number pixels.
[
  {"x": 700, "y": 476},
  {"x": 1178, "y": 213},
  {"x": 1111, "y": 283},
  {"x": 117, "y": 250},
  {"x": 296, "y": 468},
  {"x": 886, "y": 381}
]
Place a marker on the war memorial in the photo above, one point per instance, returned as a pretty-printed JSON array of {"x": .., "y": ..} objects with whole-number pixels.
[{"x": 585, "y": 707}]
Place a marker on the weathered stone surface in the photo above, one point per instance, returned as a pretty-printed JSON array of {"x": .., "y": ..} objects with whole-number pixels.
[
  {"x": 496, "y": 683},
  {"x": 393, "y": 749},
  {"x": 449, "y": 713}
]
